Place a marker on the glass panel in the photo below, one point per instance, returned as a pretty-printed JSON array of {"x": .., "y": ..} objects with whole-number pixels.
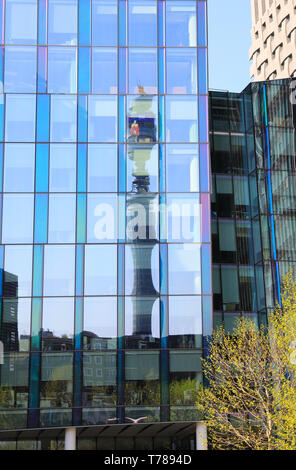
[
  {"x": 62, "y": 210},
  {"x": 219, "y": 111},
  {"x": 142, "y": 22},
  {"x": 181, "y": 71},
  {"x": 142, "y": 385},
  {"x": 104, "y": 22},
  {"x": 239, "y": 153},
  {"x": 20, "y": 69},
  {"x": 141, "y": 135},
  {"x": 182, "y": 168},
  {"x": 87, "y": 444},
  {"x": 19, "y": 165},
  {"x": 55, "y": 418},
  {"x": 62, "y": 70},
  {"x": 102, "y": 119},
  {"x": 184, "y": 269},
  {"x": 63, "y": 118},
  {"x": 13, "y": 385},
  {"x": 100, "y": 270},
  {"x": 104, "y": 70},
  {"x": 100, "y": 323},
  {"x": 152, "y": 413},
  {"x": 57, "y": 324},
  {"x": 7, "y": 445},
  {"x": 21, "y": 21},
  {"x": 183, "y": 218},
  {"x": 202, "y": 23},
  {"x": 236, "y": 112},
  {"x": 279, "y": 110},
  {"x": 181, "y": 119},
  {"x": 84, "y": 75},
  {"x": 221, "y": 156},
  {"x": 185, "y": 377},
  {"x": 102, "y": 168},
  {"x": 59, "y": 264},
  {"x": 230, "y": 288},
  {"x": 20, "y": 118},
  {"x": 142, "y": 71},
  {"x": 102, "y": 218},
  {"x": 99, "y": 379},
  {"x": 41, "y": 218},
  {"x": 62, "y": 168},
  {"x": 225, "y": 197},
  {"x": 143, "y": 161},
  {"x": 16, "y": 323},
  {"x": 230, "y": 321},
  {"x": 18, "y": 212},
  {"x": 181, "y": 23},
  {"x": 227, "y": 240},
  {"x": 62, "y": 22},
  {"x": 241, "y": 197},
  {"x": 17, "y": 271},
  {"x": 56, "y": 380},
  {"x": 141, "y": 269},
  {"x": 248, "y": 301},
  {"x": 142, "y": 325},
  {"x": 185, "y": 322},
  {"x": 27, "y": 445},
  {"x": 85, "y": 23}
]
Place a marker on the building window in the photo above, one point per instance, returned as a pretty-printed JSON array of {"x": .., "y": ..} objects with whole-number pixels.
[
  {"x": 104, "y": 22},
  {"x": 19, "y": 164},
  {"x": 62, "y": 70},
  {"x": 20, "y": 69},
  {"x": 20, "y": 118},
  {"x": 62, "y": 22},
  {"x": 63, "y": 124},
  {"x": 21, "y": 22}
]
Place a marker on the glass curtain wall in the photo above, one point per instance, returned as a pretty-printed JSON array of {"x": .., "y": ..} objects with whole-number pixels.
[
  {"x": 275, "y": 150},
  {"x": 105, "y": 294},
  {"x": 238, "y": 276},
  {"x": 253, "y": 197}
]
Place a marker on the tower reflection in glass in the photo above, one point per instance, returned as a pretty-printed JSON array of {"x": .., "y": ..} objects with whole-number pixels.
[{"x": 141, "y": 230}]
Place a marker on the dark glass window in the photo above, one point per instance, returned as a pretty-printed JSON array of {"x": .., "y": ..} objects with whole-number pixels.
[{"x": 142, "y": 386}]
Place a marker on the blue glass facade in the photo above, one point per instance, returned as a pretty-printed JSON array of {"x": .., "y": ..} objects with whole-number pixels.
[{"x": 103, "y": 122}]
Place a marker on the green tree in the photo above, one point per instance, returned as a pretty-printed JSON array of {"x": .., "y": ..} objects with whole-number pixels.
[{"x": 250, "y": 398}]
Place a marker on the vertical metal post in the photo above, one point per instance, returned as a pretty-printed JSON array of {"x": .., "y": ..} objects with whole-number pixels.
[
  {"x": 201, "y": 436},
  {"x": 70, "y": 438}
]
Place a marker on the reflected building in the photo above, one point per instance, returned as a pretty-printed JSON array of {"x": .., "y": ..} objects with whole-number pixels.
[
  {"x": 141, "y": 229},
  {"x": 9, "y": 324}
]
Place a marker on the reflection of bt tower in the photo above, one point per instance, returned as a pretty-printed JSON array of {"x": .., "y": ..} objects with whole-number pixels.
[{"x": 141, "y": 140}]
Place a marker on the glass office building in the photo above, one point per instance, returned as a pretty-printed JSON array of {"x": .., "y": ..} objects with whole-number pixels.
[
  {"x": 105, "y": 256},
  {"x": 253, "y": 151}
]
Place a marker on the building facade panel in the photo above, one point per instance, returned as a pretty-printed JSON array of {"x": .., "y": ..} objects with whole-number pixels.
[
  {"x": 253, "y": 203},
  {"x": 103, "y": 126}
]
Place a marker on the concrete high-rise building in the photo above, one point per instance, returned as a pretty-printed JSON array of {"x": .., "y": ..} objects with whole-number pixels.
[{"x": 273, "y": 49}]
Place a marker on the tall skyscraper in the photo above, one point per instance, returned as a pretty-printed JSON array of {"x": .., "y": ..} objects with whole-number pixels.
[
  {"x": 105, "y": 218},
  {"x": 273, "y": 49}
]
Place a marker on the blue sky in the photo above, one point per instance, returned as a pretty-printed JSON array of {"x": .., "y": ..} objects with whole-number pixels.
[{"x": 229, "y": 43}]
